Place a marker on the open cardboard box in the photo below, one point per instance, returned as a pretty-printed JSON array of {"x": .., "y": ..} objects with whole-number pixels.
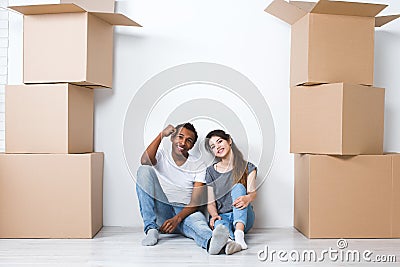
[
  {"x": 347, "y": 196},
  {"x": 49, "y": 118},
  {"x": 89, "y": 5},
  {"x": 51, "y": 195},
  {"x": 332, "y": 41},
  {"x": 338, "y": 119},
  {"x": 65, "y": 43}
]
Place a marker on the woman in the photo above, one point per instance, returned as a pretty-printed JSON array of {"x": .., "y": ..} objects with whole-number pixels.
[{"x": 231, "y": 189}]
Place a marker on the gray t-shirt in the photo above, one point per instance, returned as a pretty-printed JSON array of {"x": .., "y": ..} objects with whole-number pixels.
[{"x": 222, "y": 186}]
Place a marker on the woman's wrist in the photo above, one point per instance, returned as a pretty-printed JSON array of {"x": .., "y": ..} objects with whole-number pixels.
[{"x": 251, "y": 196}]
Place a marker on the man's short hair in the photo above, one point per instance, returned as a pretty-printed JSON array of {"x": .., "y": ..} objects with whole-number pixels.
[{"x": 190, "y": 127}]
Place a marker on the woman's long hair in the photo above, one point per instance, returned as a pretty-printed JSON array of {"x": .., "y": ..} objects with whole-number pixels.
[{"x": 240, "y": 171}]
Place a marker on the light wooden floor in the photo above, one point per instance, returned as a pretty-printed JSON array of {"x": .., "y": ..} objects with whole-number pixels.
[{"x": 120, "y": 246}]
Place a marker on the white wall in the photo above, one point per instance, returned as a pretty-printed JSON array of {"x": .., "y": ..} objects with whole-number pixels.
[{"x": 237, "y": 34}]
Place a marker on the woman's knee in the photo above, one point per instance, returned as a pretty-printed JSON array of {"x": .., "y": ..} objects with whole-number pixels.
[{"x": 237, "y": 191}]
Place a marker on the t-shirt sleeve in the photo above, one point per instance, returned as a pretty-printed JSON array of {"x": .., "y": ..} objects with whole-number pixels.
[
  {"x": 201, "y": 177},
  {"x": 208, "y": 176},
  {"x": 159, "y": 156},
  {"x": 251, "y": 167}
]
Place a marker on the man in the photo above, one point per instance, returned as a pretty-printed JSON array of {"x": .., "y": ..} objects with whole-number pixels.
[{"x": 170, "y": 190}]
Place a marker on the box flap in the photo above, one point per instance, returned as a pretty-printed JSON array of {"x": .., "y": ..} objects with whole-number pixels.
[
  {"x": 380, "y": 21},
  {"x": 285, "y": 11},
  {"x": 47, "y": 9},
  {"x": 306, "y": 6},
  {"x": 348, "y": 8},
  {"x": 115, "y": 19},
  {"x": 112, "y": 18}
]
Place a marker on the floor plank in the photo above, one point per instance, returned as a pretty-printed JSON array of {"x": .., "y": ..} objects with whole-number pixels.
[{"x": 121, "y": 246}]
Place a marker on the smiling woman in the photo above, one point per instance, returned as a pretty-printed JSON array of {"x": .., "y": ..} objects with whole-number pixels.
[{"x": 231, "y": 189}]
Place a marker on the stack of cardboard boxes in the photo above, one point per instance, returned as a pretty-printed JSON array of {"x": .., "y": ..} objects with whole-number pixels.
[
  {"x": 345, "y": 187},
  {"x": 50, "y": 178}
]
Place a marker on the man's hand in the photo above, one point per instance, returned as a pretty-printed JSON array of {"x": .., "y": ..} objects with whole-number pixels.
[
  {"x": 213, "y": 219},
  {"x": 149, "y": 155},
  {"x": 168, "y": 131},
  {"x": 169, "y": 225},
  {"x": 241, "y": 202}
]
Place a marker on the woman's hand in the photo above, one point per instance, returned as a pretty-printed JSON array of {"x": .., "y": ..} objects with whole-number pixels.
[
  {"x": 242, "y": 202},
  {"x": 213, "y": 219}
]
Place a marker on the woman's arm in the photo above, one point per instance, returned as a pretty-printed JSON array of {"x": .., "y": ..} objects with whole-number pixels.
[
  {"x": 211, "y": 207},
  {"x": 251, "y": 185}
]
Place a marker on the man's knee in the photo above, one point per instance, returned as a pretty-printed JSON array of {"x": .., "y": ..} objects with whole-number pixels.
[
  {"x": 145, "y": 175},
  {"x": 196, "y": 217}
]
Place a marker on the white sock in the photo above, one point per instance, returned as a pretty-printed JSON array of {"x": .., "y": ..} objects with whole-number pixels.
[
  {"x": 232, "y": 247},
  {"x": 151, "y": 238},
  {"x": 239, "y": 238}
]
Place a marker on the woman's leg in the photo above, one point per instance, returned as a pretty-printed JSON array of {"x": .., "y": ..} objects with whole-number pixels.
[
  {"x": 250, "y": 218},
  {"x": 227, "y": 221},
  {"x": 221, "y": 233},
  {"x": 239, "y": 215}
]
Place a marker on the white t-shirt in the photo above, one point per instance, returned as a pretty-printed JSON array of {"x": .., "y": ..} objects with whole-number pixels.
[{"x": 177, "y": 181}]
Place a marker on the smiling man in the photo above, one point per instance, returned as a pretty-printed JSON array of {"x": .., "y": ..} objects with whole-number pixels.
[{"x": 170, "y": 189}]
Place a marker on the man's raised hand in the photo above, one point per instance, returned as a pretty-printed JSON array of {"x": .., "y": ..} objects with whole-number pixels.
[{"x": 168, "y": 131}]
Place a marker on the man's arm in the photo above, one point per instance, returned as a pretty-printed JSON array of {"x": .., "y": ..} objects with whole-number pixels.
[
  {"x": 195, "y": 201},
  {"x": 149, "y": 155}
]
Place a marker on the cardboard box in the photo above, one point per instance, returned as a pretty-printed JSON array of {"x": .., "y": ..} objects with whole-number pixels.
[
  {"x": 396, "y": 197},
  {"x": 338, "y": 119},
  {"x": 332, "y": 41},
  {"x": 89, "y": 5},
  {"x": 51, "y": 195},
  {"x": 64, "y": 43},
  {"x": 347, "y": 197},
  {"x": 49, "y": 118}
]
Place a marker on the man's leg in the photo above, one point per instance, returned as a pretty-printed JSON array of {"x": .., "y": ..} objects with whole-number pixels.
[
  {"x": 153, "y": 203},
  {"x": 195, "y": 226}
]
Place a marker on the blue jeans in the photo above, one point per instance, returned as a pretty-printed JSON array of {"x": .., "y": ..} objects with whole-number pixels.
[
  {"x": 155, "y": 209},
  {"x": 245, "y": 216}
]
